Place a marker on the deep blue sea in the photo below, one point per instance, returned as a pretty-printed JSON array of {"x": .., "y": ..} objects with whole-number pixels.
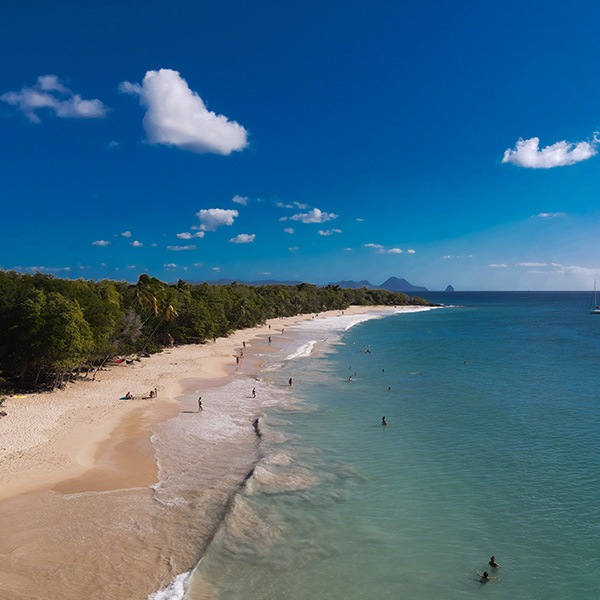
[{"x": 491, "y": 448}]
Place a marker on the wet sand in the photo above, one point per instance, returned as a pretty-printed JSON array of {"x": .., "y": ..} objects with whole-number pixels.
[{"x": 79, "y": 518}]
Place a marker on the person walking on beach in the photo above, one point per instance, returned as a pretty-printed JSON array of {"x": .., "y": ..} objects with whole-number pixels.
[
  {"x": 291, "y": 381},
  {"x": 254, "y": 392},
  {"x": 200, "y": 404}
]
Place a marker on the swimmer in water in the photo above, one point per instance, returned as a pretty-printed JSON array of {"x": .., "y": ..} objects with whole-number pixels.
[
  {"x": 383, "y": 421},
  {"x": 494, "y": 564},
  {"x": 485, "y": 577}
]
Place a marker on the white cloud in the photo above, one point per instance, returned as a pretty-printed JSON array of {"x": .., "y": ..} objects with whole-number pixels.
[
  {"x": 184, "y": 236},
  {"x": 126, "y": 234},
  {"x": 180, "y": 248},
  {"x": 549, "y": 215},
  {"x": 293, "y": 248},
  {"x": 266, "y": 273},
  {"x": 301, "y": 205},
  {"x": 197, "y": 264},
  {"x": 136, "y": 244},
  {"x": 498, "y": 266},
  {"x": 131, "y": 266},
  {"x": 243, "y": 200},
  {"x": 154, "y": 245},
  {"x": 48, "y": 92},
  {"x": 170, "y": 266},
  {"x": 348, "y": 249},
  {"x": 411, "y": 251},
  {"x": 113, "y": 144},
  {"x": 289, "y": 230},
  {"x": 528, "y": 154},
  {"x": 360, "y": 220},
  {"x": 177, "y": 116},
  {"x": 395, "y": 251},
  {"x": 101, "y": 243},
  {"x": 376, "y": 246},
  {"x": 212, "y": 218},
  {"x": 216, "y": 268},
  {"x": 282, "y": 205},
  {"x": 531, "y": 264},
  {"x": 243, "y": 238},
  {"x": 313, "y": 216},
  {"x": 329, "y": 231}
]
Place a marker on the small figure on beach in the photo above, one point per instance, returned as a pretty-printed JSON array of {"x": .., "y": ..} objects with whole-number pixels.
[
  {"x": 282, "y": 330},
  {"x": 151, "y": 393},
  {"x": 237, "y": 360},
  {"x": 254, "y": 392},
  {"x": 155, "y": 392},
  {"x": 383, "y": 421},
  {"x": 128, "y": 396},
  {"x": 494, "y": 564},
  {"x": 290, "y": 382},
  {"x": 269, "y": 339},
  {"x": 485, "y": 577},
  {"x": 269, "y": 325},
  {"x": 244, "y": 344},
  {"x": 200, "y": 404}
]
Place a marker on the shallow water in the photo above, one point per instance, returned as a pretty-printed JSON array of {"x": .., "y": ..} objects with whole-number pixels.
[{"x": 489, "y": 449}]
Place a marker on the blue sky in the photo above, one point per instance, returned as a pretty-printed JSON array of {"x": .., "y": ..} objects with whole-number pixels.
[{"x": 444, "y": 142}]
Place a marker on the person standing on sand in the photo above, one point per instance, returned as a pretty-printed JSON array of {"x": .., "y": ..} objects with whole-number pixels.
[
  {"x": 254, "y": 392},
  {"x": 200, "y": 404},
  {"x": 291, "y": 381},
  {"x": 156, "y": 392}
]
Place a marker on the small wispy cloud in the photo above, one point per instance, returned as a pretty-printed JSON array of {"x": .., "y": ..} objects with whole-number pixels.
[
  {"x": 243, "y": 200},
  {"x": 170, "y": 266},
  {"x": 51, "y": 94},
  {"x": 101, "y": 243},
  {"x": 126, "y": 234},
  {"x": 359, "y": 220},
  {"x": 293, "y": 248},
  {"x": 177, "y": 116},
  {"x": 216, "y": 268},
  {"x": 527, "y": 153},
  {"x": 329, "y": 231},
  {"x": 180, "y": 248},
  {"x": 243, "y": 238},
  {"x": 549, "y": 215},
  {"x": 136, "y": 244},
  {"x": 376, "y": 246},
  {"x": 289, "y": 230},
  {"x": 313, "y": 216},
  {"x": 532, "y": 264},
  {"x": 498, "y": 266},
  {"x": 395, "y": 251}
]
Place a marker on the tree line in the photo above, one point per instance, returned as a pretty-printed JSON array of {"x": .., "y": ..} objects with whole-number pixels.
[{"x": 52, "y": 327}]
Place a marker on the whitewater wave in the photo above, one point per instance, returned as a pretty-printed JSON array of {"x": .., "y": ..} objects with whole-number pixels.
[
  {"x": 175, "y": 590},
  {"x": 303, "y": 351}
]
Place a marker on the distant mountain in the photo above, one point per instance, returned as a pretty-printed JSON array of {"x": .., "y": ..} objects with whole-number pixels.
[
  {"x": 449, "y": 289},
  {"x": 354, "y": 285},
  {"x": 393, "y": 284}
]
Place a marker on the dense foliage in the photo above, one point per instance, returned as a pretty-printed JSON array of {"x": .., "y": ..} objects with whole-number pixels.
[{"x": 49, "y": 327}]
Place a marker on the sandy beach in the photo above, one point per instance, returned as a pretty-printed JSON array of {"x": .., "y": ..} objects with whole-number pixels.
[{"x": 85, "y": 438}]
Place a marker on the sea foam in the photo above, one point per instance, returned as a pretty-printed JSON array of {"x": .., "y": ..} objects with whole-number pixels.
[{"x": 175, "y": 590}]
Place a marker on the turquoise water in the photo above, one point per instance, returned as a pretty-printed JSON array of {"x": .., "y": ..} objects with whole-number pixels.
[{"x": 490, "y": 449}]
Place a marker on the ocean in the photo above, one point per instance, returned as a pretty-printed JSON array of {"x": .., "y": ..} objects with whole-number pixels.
[{"x": 490, "y": 448}]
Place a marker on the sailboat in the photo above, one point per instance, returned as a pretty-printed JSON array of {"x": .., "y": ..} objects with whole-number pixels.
[{"x": 595, "y": 310}]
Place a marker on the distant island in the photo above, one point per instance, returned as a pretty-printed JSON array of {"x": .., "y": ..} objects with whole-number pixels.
[{"x": 449, "y": 289}]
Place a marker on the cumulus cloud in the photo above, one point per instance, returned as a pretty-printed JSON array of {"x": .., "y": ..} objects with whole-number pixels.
[
  {"x": 170, "y": 266},
  {"x": 527, "y": 153},
  {"x": 411, "y": 251},
  {"x": 126, "y": 234},
  {"x": 243, "y": 238},
  {"x": 49, "y": 93},
  {"x": 289, "y": 230},
  {"x": 329, "y": 231},
  {"x": 101, "y": 243},
  {"x": 177, "y": 116},
  {"x": 136, "y": 244},
  {"x": 180, "y": 248},
  {"x": 376, "y": 246},
  {"x": 395, "y": 251},
  {"x": 313, "y": 216},
  {"x": 243, "y": 200},
  {"x": 213, "y": 218},
  {"x": 186, "y": 235}
]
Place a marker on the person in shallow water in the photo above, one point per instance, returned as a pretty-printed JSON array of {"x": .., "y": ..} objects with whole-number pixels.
[
  {"x": 494, "y": 564},
  {"x": 485, "y": 577},
  {"x": 383, "y": 421}
]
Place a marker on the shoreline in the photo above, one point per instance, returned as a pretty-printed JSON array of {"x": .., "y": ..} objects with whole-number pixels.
[
  {"x": 85, "y": 439},
  {"x": 55, "y": 436}
]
